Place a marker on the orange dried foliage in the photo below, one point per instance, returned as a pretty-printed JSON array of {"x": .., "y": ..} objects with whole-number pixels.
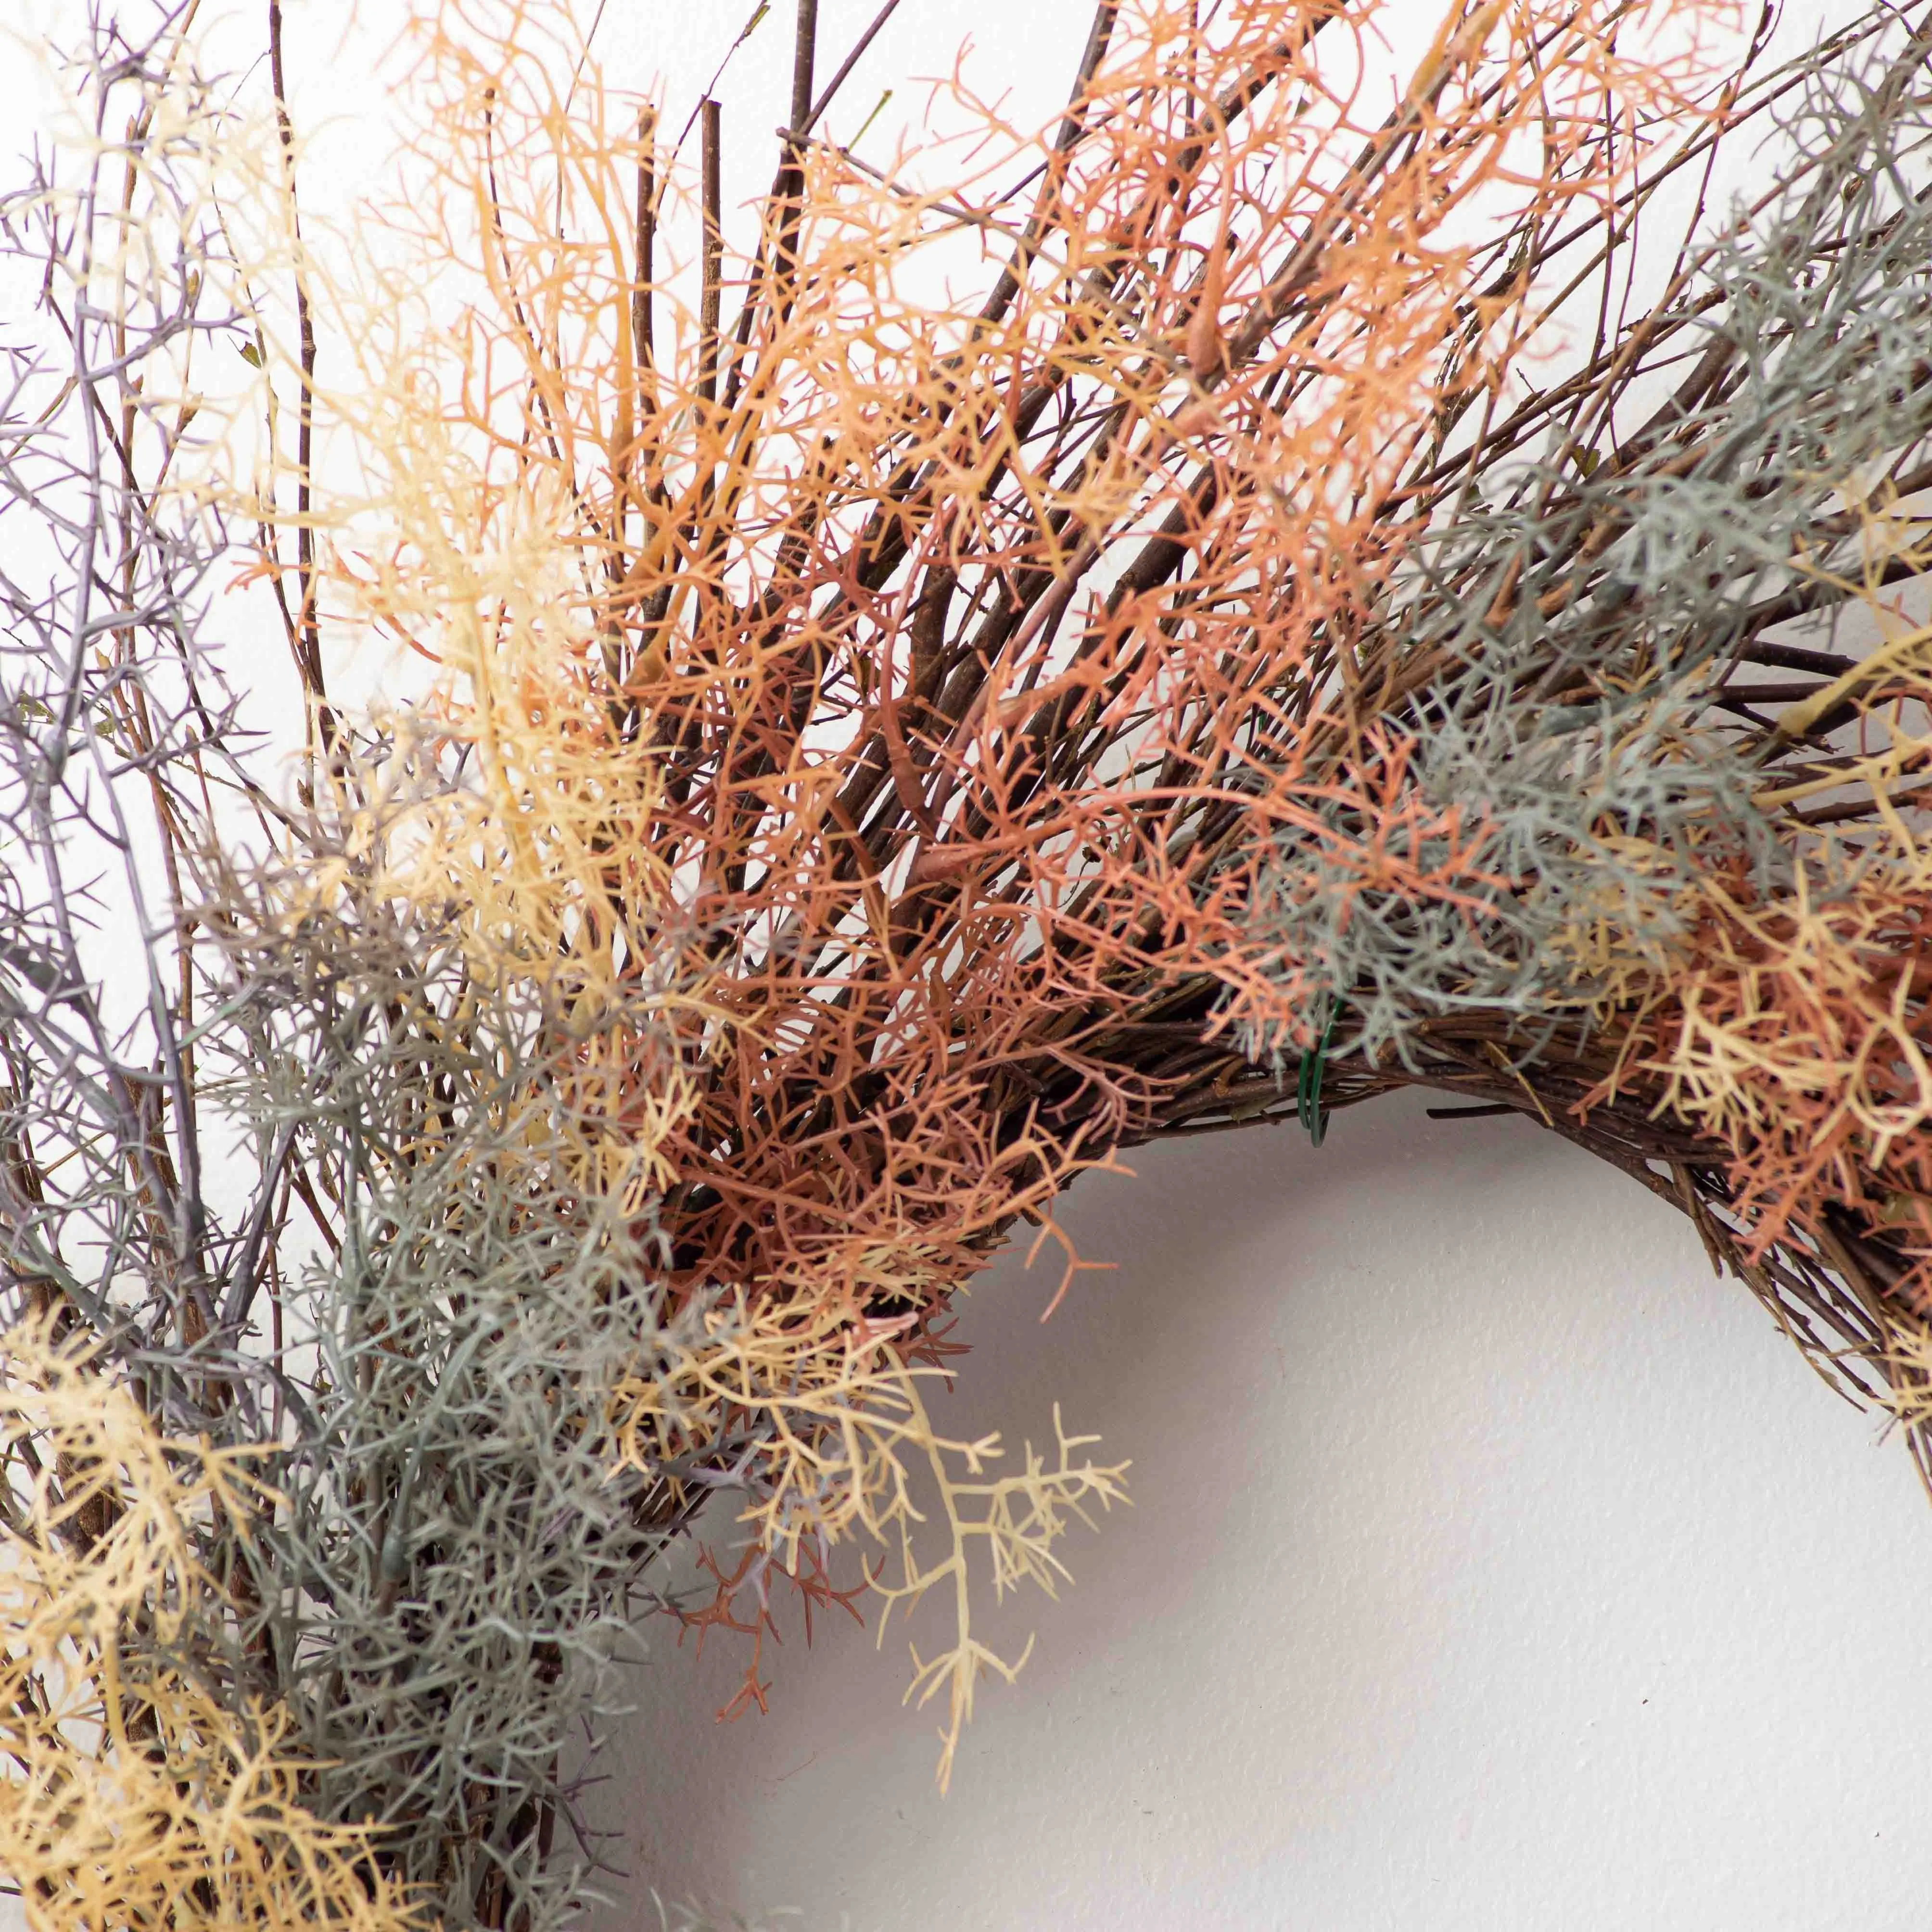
[
  {"x": 1793, "y": 1030},
  {"x": 926, "y": 695},
  {"x": 911, "y": 684}
]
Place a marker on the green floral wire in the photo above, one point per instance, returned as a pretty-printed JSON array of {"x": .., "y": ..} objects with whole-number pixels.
[{"x": 1308, "y": 1108}]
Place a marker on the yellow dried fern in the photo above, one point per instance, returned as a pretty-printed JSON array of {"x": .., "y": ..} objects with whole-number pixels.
[{"x": 137, "y": 1798}]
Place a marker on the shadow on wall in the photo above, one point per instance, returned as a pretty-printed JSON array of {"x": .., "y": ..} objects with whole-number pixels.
[{"x": 1492, "y": 1566}]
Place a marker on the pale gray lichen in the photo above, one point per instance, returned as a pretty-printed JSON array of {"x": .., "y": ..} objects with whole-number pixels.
[{"x": 1580, "y": 727}]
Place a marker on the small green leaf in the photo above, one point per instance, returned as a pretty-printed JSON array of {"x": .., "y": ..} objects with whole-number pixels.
[{"x": 251, "y": 356}]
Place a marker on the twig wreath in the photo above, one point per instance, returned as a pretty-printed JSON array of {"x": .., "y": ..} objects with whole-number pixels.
[{"x": 1351, "y": 560}]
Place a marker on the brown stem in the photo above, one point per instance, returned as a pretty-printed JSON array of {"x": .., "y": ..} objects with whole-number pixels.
[
  {"x": 309, "y": 656},
  {"x": 710, "y": 135}
]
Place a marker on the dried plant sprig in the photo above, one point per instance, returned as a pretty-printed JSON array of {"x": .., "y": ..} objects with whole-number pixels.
[
  {"x": 993, "y": 685},
  {"x": 137, "y": 1794},
  {"x": 823, "y": 638},
  {"x": 825, "y": 1424},
  {"x": 776, "y": 655},
  {"x": 1682, "y": 861},
  {"x": 245, "y": 1111}
]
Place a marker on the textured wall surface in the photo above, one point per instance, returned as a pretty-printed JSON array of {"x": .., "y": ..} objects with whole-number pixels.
[{"x": 1492, "y": 1566}]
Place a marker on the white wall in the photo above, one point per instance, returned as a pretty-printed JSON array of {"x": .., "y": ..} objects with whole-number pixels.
[{"x": 1492, "y": 1567}]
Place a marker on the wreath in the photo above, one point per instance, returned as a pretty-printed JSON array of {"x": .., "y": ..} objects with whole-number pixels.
[{"x": 1333, "y": 566}]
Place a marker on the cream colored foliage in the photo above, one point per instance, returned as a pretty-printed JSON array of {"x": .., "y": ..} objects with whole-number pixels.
[
  {"x": 838, "y": 1447},
  {"x": 133, "y": 1798}
]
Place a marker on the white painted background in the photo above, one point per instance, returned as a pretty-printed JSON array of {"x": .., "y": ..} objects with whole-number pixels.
[{"x": 1492, "y": 1566}]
